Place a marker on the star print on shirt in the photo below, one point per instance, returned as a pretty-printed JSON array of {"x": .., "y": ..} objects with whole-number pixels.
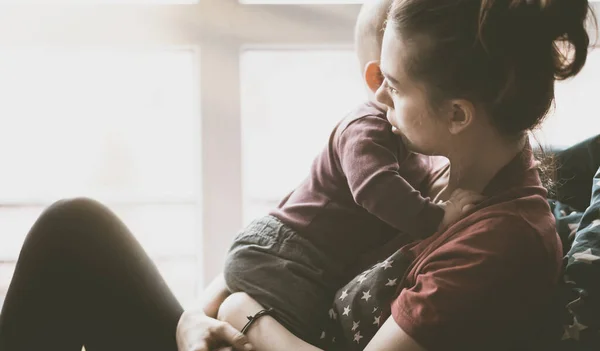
[
  {"x": 344, "y": 295},
  {"x": 347, "y": 311},
  {"x": 572, "y": 331},
  {"x": 363, "y": 304},
  {"x": 376, "y": 321},
  {"x": 387, "y": 264},
  {"x": 357, "y": 337}
]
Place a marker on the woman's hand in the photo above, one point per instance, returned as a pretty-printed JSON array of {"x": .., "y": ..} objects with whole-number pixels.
[
  {"x": 198, "y": 332},
  {"x": 460, "y": 202}
]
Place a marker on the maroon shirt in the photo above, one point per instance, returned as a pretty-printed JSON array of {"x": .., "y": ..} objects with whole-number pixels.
[
  {"x": 487, "y": 280},
  {"x": 361, "y": 191}
]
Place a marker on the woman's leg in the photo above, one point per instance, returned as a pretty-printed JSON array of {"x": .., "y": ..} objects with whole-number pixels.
[{"x": 82, "y": 279}]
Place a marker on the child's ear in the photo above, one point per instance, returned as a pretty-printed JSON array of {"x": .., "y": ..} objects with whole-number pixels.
[{"x": 373, "y": 76}]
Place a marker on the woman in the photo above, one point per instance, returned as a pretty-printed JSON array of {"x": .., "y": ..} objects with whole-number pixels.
[{"x": 463, "y": 79}]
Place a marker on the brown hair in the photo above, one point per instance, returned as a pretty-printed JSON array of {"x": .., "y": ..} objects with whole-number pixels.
[{"x": 503, "y": 55}]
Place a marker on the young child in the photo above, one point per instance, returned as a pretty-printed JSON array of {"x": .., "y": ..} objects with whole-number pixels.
[{"x": 357, "y": 197}]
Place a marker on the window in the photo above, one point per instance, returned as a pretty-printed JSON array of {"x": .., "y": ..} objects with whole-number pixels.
[
  {"x": 118, "y": 126},
  {"x": 575, "y": 115},
  {"x": 99, "y": 123}
]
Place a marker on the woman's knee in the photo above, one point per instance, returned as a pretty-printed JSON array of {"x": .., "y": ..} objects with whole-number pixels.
[
  {"x": 76, "y": 204},
  {"x": 72, "y": 216}
]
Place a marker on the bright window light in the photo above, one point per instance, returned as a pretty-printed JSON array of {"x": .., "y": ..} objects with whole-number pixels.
[{"x": 291, "y": 100}]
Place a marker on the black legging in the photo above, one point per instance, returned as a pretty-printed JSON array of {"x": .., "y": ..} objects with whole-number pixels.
[{"x": 83, "y": 279}]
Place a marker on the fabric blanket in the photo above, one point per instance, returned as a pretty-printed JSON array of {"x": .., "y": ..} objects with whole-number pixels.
[{"x": 580, "y": 233}]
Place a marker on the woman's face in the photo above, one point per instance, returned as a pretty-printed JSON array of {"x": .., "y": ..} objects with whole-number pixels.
[{"x": 409, "y": 113}]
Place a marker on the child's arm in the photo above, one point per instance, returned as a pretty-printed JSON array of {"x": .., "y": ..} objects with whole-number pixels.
[{"x": 370, "y": 156}]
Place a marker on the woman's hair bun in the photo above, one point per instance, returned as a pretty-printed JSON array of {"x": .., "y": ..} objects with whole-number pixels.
[{"x": 515, "y": 26}]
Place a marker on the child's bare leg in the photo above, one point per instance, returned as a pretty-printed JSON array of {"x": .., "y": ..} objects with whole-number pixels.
[{"x": 265, "y": 334}]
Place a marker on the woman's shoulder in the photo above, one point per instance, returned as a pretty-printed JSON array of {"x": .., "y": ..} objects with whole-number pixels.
[
  {"x": 526, "y": 216},
  {"x": 521, "y": 228},
  {"x": 499, "y": 245}
]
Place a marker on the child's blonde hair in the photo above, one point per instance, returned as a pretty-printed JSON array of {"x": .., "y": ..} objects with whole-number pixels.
[{"x": 368, "y": 32}]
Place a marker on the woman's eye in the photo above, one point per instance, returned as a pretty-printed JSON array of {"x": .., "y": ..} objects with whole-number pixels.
[{"x": 392, "y": 90}]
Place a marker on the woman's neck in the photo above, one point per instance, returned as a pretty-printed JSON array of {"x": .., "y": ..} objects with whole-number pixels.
[{"x": 474, "y": 168}]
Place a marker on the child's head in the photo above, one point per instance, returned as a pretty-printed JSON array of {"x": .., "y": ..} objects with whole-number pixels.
[{"x": 368, "y": 37}]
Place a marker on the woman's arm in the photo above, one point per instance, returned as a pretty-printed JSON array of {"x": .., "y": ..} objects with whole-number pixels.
[
  {"x": 266, "y": 334},
  {"x": 392, "y": 338}
]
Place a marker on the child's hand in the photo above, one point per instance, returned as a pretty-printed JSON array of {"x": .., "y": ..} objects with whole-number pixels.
[{"x": 460, "y": 202}]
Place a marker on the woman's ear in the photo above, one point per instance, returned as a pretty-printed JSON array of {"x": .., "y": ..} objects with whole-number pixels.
[
  {"x": 372, "y": 76},
  {"x": 461, "y": 115}
]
